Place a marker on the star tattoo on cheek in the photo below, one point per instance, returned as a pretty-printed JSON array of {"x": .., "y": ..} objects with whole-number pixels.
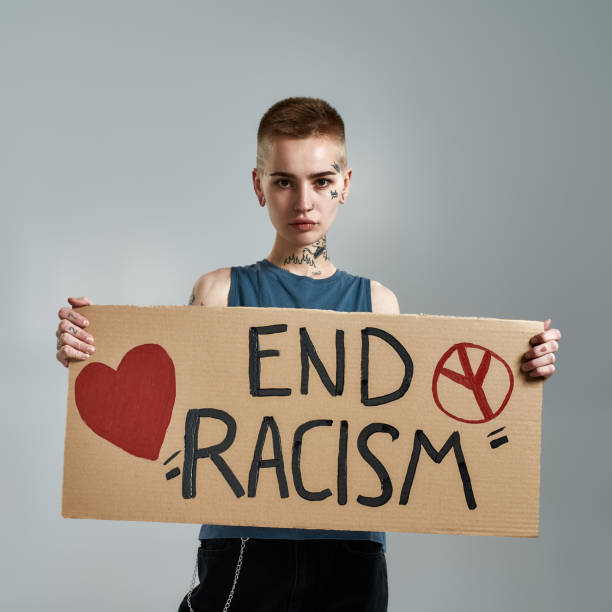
[{"x": 334, "y": 193}]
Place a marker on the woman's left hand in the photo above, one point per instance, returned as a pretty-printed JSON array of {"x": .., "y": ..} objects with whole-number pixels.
[{"x": 541, "y": 358}]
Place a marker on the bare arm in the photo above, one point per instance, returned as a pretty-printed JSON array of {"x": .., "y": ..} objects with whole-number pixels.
[
  {"x": 383, "y": 299},
  {"x": 211, "y": 289}
]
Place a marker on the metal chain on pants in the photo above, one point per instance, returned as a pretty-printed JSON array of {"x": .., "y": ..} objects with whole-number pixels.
[{"x": 236, "y": 574}]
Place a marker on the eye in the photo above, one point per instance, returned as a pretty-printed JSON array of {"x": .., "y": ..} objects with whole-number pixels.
[{"x": 326, "y": 183}]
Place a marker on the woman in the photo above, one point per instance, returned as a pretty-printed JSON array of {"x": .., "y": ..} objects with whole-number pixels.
[{"x": 302, "y": 178}]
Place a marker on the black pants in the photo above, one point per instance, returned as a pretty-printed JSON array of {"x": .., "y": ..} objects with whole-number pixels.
[{"x": 291, "y": 576}]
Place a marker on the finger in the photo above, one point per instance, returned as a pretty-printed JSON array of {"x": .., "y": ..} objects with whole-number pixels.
[
  {"x": 67, "y": 326},
  {"x": 67, "y": 313},
  {"x": 549, "y": 334},
  {"x": 532, "y": 364},
  {"x": 68, "y": 339},
  {"x": 69, "y": 352},
  {"x": 60, "y": 357},
  {"x": 80, "y": 301},
  {"x": 546, "y": 324},
  {"x": 542, "y": 349},
  {"x": 547, "y": 370}
]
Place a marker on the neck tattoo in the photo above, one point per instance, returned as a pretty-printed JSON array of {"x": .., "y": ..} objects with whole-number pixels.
[{"x": 311, "y": 255}]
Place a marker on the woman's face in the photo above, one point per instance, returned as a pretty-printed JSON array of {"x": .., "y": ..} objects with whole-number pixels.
[{"x": 302, "y": 186}]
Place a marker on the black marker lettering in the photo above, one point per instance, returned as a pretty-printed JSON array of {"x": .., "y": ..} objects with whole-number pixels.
[
  {"x": 342, "y": 446},
  {"x": 171, "y": 457},
  {"x": 193, "y": 453},
  {"x": 374, "y": 462},
  {"x": 295, "y": 461},
  {"x": 173, "y": 473},
  {"x": 255, "y": 356},
  {"x": 454, "y": 442},
  {"x": 268, "y": 422},
  {"x": 309, "y": 353},
  {"x": 365, "y": 356}
]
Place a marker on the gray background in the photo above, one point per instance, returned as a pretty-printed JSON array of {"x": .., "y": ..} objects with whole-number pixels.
[{"x": 480, "y": 139}]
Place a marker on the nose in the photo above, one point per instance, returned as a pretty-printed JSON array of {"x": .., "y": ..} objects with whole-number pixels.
[{"x": 303, "y": 200}]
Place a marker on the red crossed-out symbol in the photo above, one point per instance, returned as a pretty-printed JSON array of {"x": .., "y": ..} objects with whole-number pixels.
[{"x": 471, "y": 381}]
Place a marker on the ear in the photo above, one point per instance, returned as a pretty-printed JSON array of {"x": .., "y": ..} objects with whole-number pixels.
[
  {"x": 257, "y": 187},
  {"x": 346, "y": 187}
]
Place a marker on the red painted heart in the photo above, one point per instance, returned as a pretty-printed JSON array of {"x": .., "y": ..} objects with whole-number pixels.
[{"x": 130, "y": 407}]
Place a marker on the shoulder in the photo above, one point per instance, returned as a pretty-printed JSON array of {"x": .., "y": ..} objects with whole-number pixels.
[
  {"x": 212, "y": 288},
  {"x": 384, "y": 300}
]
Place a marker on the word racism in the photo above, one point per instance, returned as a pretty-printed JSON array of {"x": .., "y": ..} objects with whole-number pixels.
[{"x": 197, "y": 418}]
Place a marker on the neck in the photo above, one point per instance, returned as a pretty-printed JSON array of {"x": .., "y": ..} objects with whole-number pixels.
[{"x": 306, "y": 260}]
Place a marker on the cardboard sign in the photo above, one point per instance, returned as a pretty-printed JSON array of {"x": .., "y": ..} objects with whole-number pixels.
[{"x": 304, "y": 418}]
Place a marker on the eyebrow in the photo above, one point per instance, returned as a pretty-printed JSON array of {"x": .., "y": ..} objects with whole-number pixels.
[{"x": 315, "y": 175}]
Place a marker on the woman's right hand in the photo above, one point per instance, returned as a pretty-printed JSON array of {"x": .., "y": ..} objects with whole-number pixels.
[{"x": 73, "y": 342}]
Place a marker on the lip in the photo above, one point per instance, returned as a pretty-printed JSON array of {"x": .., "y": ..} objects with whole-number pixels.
[
  {"x": 302, "y": 222},
  {"x": 303, "y": 226}
]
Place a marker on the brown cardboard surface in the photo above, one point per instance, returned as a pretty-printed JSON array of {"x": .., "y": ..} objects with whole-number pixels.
[{"x": 117, "y": 444}]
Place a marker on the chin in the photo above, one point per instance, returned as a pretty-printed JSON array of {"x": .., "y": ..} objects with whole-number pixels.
[
  {"x": 304, "y": 238},
  {"x": 308, "y": 238}
]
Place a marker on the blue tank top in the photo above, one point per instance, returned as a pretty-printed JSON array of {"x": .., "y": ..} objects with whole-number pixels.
[{"x": 263, "y": 284}]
